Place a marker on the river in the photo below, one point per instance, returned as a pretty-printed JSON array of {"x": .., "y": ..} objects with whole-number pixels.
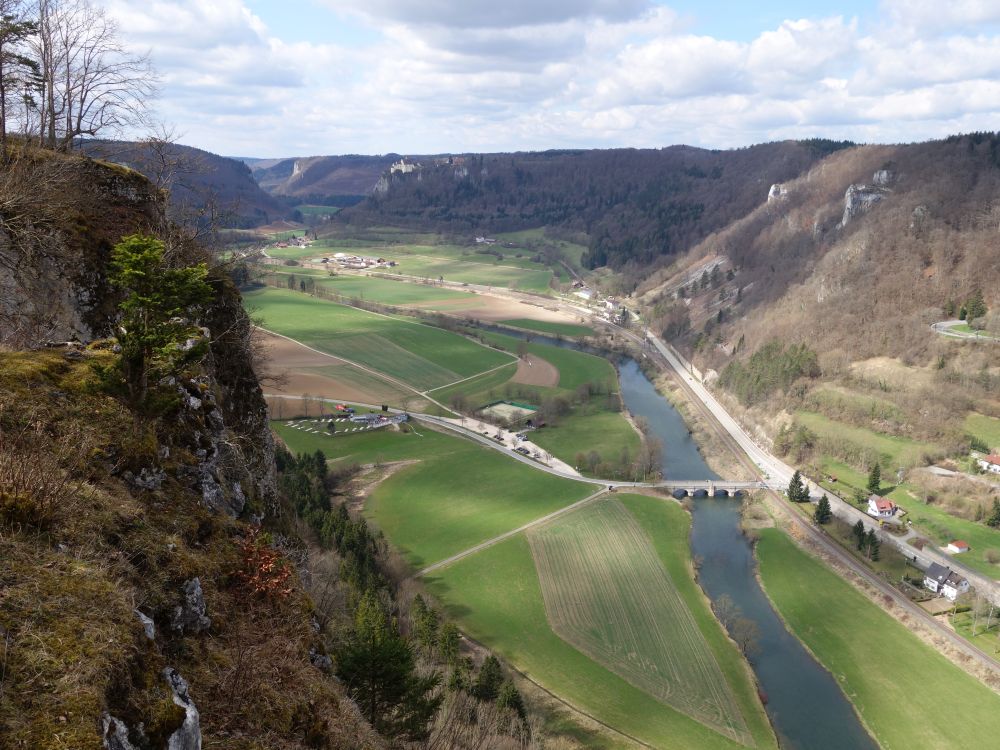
[{"x": 807, "y": 708}]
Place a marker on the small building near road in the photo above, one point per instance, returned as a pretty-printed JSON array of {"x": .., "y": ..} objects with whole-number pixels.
[
  {"x": 957, "y": 546},
  {"x": 990, "y": 463},
  {"x": 880, "y": 507}
]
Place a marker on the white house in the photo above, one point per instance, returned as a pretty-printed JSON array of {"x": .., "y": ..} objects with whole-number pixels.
[
  {"x": 880, "y": 507},
  {"x": 990, "y": 463},
  {"x": 935, "y": 577},
  {"x": 957, "y": 546},
  {"x": 942, "y": 580},
  {"x": 954, "y": 585}
]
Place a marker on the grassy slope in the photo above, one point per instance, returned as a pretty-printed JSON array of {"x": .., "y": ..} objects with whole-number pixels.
[
  {"x": 909, "y": 695},
  {"x": 985, "y": 428},
  {"x": 515, "y": 625},
  {"x": 419, "y": 354},
  {"x": 896, "y": 451}
]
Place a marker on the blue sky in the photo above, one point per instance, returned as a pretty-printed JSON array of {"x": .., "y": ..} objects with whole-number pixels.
[{"x": 301, "y": 77}]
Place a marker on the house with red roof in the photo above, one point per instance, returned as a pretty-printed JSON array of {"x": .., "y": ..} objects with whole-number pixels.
[
  {"x": 881, "y": 507},
  {"x": 957, "y": 546},
  {"x": 990, "y": 463}
]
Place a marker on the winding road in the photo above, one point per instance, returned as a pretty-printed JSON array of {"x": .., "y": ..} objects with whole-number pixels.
[{"x": 947, "y": 328}]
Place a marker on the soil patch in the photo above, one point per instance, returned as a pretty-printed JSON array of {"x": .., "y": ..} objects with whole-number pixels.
[{"x": 532, "y": 370}]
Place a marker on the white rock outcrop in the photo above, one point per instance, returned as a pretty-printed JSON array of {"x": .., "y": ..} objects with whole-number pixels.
[
  {"x": 859, "y": 199},
  {"x": 188, "y": 735},
  {"x": 777, "y": 192}
]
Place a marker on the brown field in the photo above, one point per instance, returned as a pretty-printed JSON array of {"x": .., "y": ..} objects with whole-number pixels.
[
  {"x": 534, "y": 370},
  {"x": 607, "y": 593},
  {"x": 488, "y": 308}
]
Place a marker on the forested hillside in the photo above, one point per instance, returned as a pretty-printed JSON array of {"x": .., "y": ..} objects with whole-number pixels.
[
  {"x": 203, "y": 187},
  {"x": 635, "y": 205}
]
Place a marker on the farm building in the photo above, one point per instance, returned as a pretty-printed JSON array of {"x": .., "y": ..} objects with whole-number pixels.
[
  {"x": 990, "y": 463},
  {"x": 880, "y": 507},
  {"x": 957, "y": 546}
]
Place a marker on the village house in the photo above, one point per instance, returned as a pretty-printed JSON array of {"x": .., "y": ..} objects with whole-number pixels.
[
  {"x": 935, "y": 576},
  {"x": 954, "y": 586},
  {"x": 880, "y": 507},
  {"x": 990, "y": 463},
  {"x": 945, "y": 581}
]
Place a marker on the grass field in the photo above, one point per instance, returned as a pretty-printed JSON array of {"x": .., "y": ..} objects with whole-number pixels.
[
  {"x": 385, "y": 291},
  {"x": 497, "y": 598},
  {"x": 310, "y": 210},
  {"x": 893, "y": 451},
  {"x": 455, "y": 495},
  {"x": 418, "y": 354},
  {"x": 463, "y": 264},
  {"x": 596, "y": 426},
  {"x": 557, "y": 329},
  {"x": 909, "y": 696},
  {"x": 985, "y": 428},
  {"x": 607, "y": 593}
]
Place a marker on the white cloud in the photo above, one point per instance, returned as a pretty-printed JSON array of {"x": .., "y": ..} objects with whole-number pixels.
[{"x": 445, "y": 75}]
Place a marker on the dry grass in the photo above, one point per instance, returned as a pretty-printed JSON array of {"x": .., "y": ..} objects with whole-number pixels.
[{"x": 93, "y": 550}]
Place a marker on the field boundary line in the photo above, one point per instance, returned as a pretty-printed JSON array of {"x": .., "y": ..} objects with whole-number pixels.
[
  {"x": 471, "y": 377},
  {"x": 507, "y": 535},
  {"x": 410, "y": 320},
  {"x": 361, "y": 367}
]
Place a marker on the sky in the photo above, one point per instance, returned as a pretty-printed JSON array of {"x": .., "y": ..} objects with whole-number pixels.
[{"x": 270, "y": 78}]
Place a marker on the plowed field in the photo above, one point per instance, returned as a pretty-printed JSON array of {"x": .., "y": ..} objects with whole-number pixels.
[{"x": 607, "y": 593}]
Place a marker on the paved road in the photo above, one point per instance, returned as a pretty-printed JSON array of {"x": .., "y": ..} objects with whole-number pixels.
[
  {"x": 466, "y": 432},
  {"x": 946, "y": 328}
]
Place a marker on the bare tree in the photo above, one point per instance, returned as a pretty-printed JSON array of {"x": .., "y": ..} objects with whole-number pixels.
[{"x": 92, "y": 83}]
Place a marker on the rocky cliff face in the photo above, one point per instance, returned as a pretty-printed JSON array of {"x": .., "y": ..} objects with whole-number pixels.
[
  {"x": 57, "y": 290},
  {"x": 126, "y": 620}
]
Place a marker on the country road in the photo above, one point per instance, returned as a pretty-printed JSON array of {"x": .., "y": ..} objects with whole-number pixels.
[{"x": 947, "y": 328}]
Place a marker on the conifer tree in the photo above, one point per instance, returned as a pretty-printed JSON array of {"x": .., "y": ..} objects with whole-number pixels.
[
  {"x": 874, "y": 478},
  {"x": 797, "y": 491},
  {"x": 823, "y": 512},
  {"x": 859, "y": 533}
]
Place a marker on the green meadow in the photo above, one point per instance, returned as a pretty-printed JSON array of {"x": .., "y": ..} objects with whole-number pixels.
[
  {"x": 909, "y": 695},
  {"x": 418, "y": 354},
  {"x": 496, "y": 596}
]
